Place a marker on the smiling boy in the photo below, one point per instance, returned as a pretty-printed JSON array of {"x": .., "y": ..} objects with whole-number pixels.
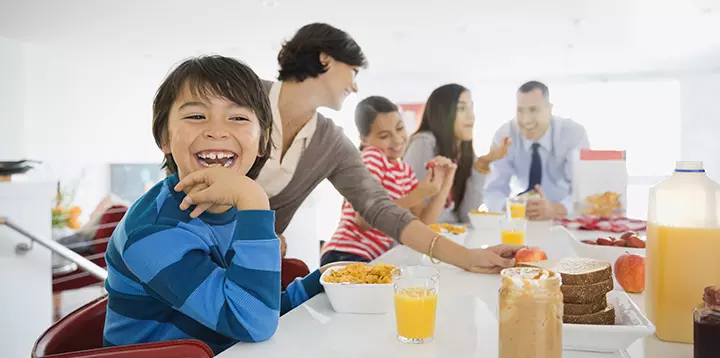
[{"x": 203, "y": 265}]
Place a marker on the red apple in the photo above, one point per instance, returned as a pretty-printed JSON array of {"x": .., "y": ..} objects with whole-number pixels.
[
  {"x": 630, "y": 272},
  {"x": 604, "y": 242},
  {"x": 530, "y": 254}
]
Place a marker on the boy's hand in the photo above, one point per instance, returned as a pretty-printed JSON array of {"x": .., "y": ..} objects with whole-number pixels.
[{"x": 221, "y": 186}]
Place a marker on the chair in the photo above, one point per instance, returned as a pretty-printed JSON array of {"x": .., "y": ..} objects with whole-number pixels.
[
  {"x": 96, "y": 253},
  {"x": 72, "y": 277},
  {"x": 80, "y": 335},
  {"x": 292, "y": 269}
]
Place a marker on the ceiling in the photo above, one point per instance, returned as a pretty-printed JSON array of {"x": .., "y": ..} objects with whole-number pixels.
[{"x": 437, "y": 38}]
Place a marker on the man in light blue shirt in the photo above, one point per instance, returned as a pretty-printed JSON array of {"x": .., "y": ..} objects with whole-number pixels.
[{"x": 539, "y": 158}]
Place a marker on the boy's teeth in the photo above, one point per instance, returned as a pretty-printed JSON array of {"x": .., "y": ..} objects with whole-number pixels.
[
  {"x": 215, "y": 155},
  {"x": 213, "y": 159}
]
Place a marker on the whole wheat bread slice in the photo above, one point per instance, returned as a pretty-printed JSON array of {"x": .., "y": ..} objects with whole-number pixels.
[
  {"x": 577, "y": 293},
  {"x": 576, "y": 270},
  {"x": 585, "y": 299},
  {"x": 580, "y": 309},
  {"x": 604, "y": 317}
]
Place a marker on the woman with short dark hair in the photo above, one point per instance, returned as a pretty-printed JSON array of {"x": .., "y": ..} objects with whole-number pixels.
[{"x": 318, "y": 67}]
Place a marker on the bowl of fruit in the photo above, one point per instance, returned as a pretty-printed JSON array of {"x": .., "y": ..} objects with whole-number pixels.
[{"x": 608, "y": 246}]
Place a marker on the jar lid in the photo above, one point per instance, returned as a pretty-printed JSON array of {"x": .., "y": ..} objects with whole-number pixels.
[
  {"x": 712, "y": 297},
  {"x": 530, "y": 277}
]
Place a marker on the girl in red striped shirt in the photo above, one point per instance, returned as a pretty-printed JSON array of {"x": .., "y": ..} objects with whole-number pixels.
[{"x": 384, "y": 140}]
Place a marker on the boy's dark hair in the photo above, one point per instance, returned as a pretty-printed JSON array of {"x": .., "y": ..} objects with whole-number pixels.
[
  {"x": 299, "y": 58},
  {"x": 367, "y": 110},
  {"x": 533, "y": 85},
  {"x": 213, "y": 76}
]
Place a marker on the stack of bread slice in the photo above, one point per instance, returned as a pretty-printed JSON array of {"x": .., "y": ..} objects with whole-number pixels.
[{"x": 585, "y": 284}]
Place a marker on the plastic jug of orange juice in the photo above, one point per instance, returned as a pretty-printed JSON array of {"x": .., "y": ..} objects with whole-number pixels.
[{"x": 683, "y": 244}]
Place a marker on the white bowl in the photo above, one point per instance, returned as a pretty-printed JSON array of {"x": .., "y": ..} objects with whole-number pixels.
[
  {"x": 356, "y": 297},
  {"x": 485, "y": 221},
  {"x": 630, "y": 325},
  {"x": 599, "y": 252}
]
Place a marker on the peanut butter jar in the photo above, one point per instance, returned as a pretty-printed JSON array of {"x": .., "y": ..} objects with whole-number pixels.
[{"x": 530, "y": 314}]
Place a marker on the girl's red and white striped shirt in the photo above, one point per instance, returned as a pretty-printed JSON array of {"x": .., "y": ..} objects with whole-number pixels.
[{"x": 399, "y": 180}]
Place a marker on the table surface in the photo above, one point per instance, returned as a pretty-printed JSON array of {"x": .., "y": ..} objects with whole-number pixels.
[{"x": 465, "y": 325}]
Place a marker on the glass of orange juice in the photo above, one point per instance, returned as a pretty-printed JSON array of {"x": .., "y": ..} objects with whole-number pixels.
[
  {"x": 512, "y": 231},
  {"x": 416, "y": 294},
  {"x": 516, "y": 207}
]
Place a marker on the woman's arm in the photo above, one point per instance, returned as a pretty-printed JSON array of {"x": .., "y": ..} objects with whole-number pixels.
[{"x": 367, "y": 196}]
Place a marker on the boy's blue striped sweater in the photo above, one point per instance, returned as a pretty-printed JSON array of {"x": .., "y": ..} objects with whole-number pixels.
[{"x": 215, "y": 278}]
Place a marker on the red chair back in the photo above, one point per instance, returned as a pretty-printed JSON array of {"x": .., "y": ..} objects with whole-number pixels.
[
  {"x": 108, "y": 223},
  {"x": 81, "y": 278},
  {"x": 80, "y": 335}
]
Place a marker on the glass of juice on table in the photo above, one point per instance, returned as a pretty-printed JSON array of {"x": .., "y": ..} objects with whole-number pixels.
[
  {"x": 416, "y": 294},
  {"x": 512, "y": 231},
  {"x": 516, "y": 207}
]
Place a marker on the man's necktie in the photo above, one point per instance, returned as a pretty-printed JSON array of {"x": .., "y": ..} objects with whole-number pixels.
[{"x": 535, "y": 168}]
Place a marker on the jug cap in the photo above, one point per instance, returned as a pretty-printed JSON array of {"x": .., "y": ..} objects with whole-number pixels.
[{"x": 689, "y": 167}]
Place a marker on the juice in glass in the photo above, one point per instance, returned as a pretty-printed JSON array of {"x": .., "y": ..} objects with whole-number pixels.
[
  {"x": 512, "y": 237},
  {"x": 516, "y": 207},
  {"x": 416, "y": 295},
  {"x": 512, "y": 232},
  {"x": 415, "y": 312}
]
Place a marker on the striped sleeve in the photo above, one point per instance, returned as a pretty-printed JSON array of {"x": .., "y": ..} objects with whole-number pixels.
[
  {"x": 299, "y": 291},
  {"x": 375, "y": 162},
  {"x": 241, "y": 302},
  {"x": 413, "y": 179}
]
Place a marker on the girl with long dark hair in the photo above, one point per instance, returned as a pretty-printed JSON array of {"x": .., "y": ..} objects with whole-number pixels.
[{"x": 447, "y": 130}]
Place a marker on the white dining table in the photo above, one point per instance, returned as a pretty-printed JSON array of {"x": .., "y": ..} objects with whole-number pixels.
[{"x": 466, "y": 326}]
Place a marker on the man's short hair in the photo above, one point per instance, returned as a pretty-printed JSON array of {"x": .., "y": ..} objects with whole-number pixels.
[{"x": 533, "y": 85}]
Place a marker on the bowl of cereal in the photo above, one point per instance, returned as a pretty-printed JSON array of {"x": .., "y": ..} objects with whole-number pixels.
[
  {"x": 359, "y": 288},
  {"x": 485, "y": 219},
  {"x": 453, "y": 232}
]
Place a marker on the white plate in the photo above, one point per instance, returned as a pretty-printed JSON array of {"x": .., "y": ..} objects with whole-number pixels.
[
  {"x": 604, "y": 253},
  {"x": 630, "y": 325}
]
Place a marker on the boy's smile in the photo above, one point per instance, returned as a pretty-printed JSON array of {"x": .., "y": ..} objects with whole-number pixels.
[{"x": 213, "y": 158}]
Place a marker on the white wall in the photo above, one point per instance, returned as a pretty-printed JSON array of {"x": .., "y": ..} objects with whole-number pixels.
[
  {"x": 12, "y": 94},
  {"x": 701, "y": 121}
]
